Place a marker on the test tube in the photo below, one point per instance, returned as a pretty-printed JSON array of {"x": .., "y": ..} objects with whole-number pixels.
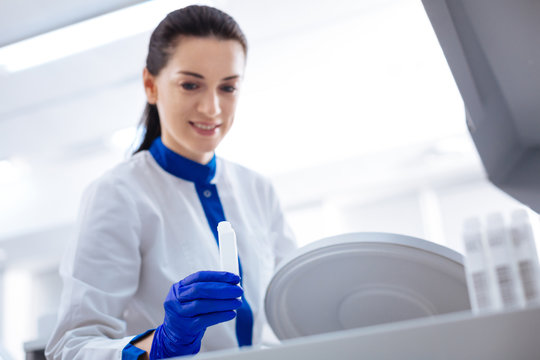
[
  {"x": 504, "y": 267},
  {"x": 526, "y": 256},
  {"x": 228, "y": 252},
  {"x": 476, "y": 267}
]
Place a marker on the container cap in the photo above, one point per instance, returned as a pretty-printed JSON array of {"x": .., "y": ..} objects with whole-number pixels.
[{"x": 362, "y": 279}]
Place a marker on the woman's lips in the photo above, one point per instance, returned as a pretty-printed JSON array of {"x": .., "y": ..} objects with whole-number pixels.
[{"x": 206, "y": 129}]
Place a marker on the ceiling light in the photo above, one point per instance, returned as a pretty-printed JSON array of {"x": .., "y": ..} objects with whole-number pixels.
[{"x": 86, "y": 35}]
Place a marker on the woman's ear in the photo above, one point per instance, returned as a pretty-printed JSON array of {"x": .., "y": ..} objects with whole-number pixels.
[{"x": 150, "y": 88}]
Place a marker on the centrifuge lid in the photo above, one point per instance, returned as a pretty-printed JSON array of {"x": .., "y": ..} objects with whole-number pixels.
[{"x": 362, "y": 279}]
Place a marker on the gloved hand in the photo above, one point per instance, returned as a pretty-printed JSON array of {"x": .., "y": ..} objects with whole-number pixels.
[{"x": 200, "y": 300}]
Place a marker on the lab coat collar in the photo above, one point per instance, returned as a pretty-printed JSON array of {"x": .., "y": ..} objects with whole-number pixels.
[{"x": 182, "y": 167}]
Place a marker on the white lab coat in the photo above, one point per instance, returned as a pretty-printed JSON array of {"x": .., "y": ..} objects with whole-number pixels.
[{"x": 142, "y": 229}]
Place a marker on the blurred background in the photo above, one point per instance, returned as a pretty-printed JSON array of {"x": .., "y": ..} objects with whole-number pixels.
[{"x": 348, "y": 106}]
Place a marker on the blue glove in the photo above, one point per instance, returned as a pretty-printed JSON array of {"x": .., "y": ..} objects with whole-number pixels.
[{"x": 200, "y": 300}]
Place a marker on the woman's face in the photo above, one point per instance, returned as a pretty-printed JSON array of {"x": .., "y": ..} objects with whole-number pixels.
[{"x": 196, "y": 94}]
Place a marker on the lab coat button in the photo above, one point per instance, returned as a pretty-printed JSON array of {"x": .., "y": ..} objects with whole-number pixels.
[{"x": 207, "y": 193}]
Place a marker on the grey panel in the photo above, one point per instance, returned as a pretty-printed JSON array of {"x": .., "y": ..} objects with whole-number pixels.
[
  {"x": 21, "y": 19},
  {"x": 493, "y": 49}
]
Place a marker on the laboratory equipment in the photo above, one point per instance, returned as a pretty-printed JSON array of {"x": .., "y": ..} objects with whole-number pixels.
[
  {"x": 479, "y": 282},
  {"x": 452, "y": 335},
  {"x": 501, "y": 262},
  {"x": 363, "y": 279},
  {"x": 497, "y": 336},
  {"x": 493, "y": 51},
  {"x": 228, "y": 251},
  {"x": 503, "y": 265},
  {"x": 526, "y": 256}
]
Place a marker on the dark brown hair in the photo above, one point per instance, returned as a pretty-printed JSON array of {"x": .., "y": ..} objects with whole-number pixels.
[{"x": 194, "y": 20}]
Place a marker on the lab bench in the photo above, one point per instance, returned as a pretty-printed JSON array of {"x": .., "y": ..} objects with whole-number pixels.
[{"x": 509, "y": 335}]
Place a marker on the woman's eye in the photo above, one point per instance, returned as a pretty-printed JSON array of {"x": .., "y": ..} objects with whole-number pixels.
[
  {"x": 189, "y": 86},
  {"x": 228, "y": 89}
]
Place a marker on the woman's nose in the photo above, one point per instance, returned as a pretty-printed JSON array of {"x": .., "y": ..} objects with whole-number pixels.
[{"x": 209, "y": 104}]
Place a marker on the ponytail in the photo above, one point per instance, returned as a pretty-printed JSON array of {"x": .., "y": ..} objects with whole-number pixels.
[{"x": 150, "y": 122}]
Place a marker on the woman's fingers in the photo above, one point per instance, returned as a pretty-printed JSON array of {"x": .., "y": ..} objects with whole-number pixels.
[
  {"x": 211, "y": 276},
  {"x": 201, "y": 307},
  {"x": 201, "y": 322},
  {"x": 208, "y": 290}
]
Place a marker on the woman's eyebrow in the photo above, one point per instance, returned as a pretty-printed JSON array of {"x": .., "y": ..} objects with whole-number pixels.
[
  {"x": 191, "y": 74},
  {"x": 231, "y": 77},
  {"x": 202, "y": 77}
]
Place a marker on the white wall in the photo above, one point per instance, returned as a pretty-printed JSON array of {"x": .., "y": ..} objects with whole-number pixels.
[{"x": 433, "y": 206}]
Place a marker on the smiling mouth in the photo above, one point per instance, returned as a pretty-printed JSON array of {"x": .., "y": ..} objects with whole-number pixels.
[{"x": 204, "y": 126}]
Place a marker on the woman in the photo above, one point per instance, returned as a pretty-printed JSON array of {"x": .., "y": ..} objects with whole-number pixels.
[{"x": 145, "y": 256}]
